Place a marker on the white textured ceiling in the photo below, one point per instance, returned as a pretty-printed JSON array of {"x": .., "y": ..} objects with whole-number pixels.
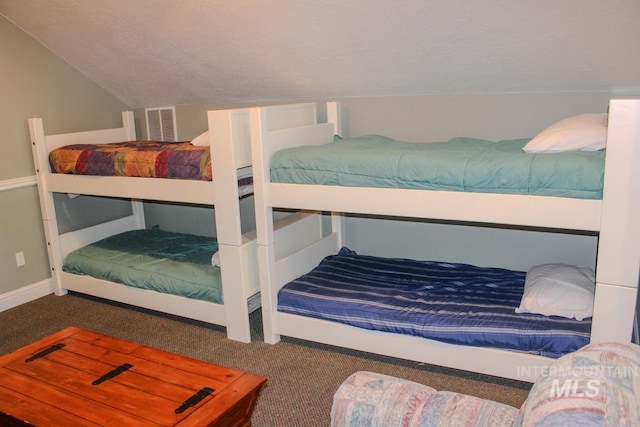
[{"x": 171, "y": 52}]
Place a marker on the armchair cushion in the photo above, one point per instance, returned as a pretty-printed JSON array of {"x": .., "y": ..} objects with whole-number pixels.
[
  {"x": 456, "y": 409},
  {"x": 366, "y": 399},
  {"x": 599, "y": 385},
  {"x": 370, "y": 399}
]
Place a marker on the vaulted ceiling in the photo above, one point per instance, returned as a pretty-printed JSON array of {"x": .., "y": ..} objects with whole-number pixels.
[{"x": 171, "y": 52}]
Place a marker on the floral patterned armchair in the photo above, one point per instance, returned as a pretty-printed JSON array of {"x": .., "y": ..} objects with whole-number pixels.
[{"x": 599, "y": 385}]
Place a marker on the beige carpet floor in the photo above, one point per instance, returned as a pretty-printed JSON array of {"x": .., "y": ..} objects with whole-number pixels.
[{"x": 302, "y": 376}]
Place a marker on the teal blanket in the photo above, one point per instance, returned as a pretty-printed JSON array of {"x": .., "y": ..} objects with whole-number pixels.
[
  {"x": 460, "y": 164},
  {"x": 158, "y": 260}
]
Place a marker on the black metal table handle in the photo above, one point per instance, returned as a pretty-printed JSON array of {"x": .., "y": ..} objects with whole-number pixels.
[
  {"x": 194, "y": 400},
  {"x": 44, "y": 352},
  {"x": 109, "y": 375}
]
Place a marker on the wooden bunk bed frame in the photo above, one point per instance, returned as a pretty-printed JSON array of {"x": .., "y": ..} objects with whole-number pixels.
[
  {"x": 230, "y": 156},
  {"x": 614, "y": 218}
]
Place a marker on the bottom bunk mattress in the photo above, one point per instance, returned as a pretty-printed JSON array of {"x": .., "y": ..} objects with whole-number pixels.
[
  {"x": 448, "y": 302},
  {"x": 162, "y": 261}
]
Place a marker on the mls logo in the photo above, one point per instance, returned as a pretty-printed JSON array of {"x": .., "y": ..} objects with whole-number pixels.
[{"x": 574, "y": 388}]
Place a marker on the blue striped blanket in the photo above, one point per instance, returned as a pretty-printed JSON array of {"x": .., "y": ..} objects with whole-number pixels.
[{"x": 449, "y": 302}]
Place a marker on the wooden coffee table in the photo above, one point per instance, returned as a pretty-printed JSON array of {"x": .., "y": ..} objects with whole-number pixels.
[{"x": 81, "y": 378}]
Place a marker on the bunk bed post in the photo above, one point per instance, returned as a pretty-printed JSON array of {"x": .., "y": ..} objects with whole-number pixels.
[
  {"x": 261, "y": 159},
  {"x": 264, "y": 224},
  {"x": 269, "y": 293},
  {"x": 129, "y": 124},
  {"x": 228, "y": 134},
  {"x": 234, "y": 277},
  {"x": 225, "y": 176},
  {"x": 137, "y": 208},
  {"x": 40, "y": 158},
  {"x": 618, "y": 262},
  {"x": 53, "y": 251},
  {"x": 47, "y": 207},
  {"x": 334, "y": 115}
]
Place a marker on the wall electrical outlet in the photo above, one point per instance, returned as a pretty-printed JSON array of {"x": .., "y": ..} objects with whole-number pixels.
[{"x": 20, "y": 259}]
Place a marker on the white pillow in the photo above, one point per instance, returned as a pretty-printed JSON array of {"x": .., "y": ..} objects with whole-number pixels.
[
  {"x": 215, "y": 259},
  {"x": 585, "y": 132},
  {"x": 202, "y": 139},
  {"x": 559, "y": 290}
]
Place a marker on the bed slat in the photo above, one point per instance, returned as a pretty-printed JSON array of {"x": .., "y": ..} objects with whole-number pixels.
[{"x": 522, "y": 210}]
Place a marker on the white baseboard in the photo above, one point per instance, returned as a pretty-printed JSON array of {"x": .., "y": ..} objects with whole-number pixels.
[{"x": 25, "y": 294}]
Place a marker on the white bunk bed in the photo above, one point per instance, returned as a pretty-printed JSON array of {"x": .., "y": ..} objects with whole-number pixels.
[
  {"x": 614, "y": 218},
  {"x": 230, "y": 158}
]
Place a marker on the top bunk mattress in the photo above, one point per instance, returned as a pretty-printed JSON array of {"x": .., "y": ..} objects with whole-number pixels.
[
  {"x": 151, "y": 159},
  {"x": 460, "y": 164}
]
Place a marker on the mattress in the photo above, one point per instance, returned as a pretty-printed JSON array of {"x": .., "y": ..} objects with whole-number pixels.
[
  {"x": 460, "y": 164},
  {"x": 155, "y": 159},
  {"x": 162, "y": 261},
  {"x": 448, "y": 302}
]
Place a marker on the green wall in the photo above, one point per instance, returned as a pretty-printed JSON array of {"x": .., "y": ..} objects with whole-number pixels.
[{"x": 36, "y": 83}]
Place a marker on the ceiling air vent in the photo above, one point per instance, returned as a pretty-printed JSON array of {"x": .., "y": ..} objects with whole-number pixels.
[{"x": 161, "y": 124}]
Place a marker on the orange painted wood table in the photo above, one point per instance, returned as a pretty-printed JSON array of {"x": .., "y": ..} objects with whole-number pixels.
[{"x": 80, "y": 378}]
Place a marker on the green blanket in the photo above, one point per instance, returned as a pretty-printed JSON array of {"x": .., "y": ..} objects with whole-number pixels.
[
  {"x": 162, "y": 261},
  {"x": 460, "y": 164}
]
